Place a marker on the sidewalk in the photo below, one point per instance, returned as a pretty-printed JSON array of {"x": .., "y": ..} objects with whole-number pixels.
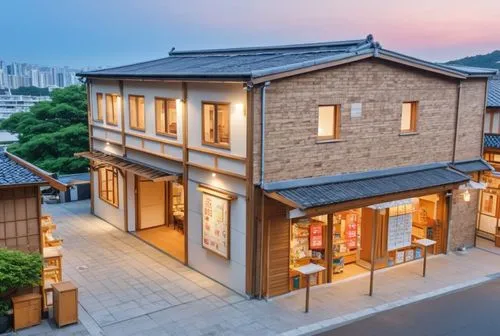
[{"x": 129, "y": 288}]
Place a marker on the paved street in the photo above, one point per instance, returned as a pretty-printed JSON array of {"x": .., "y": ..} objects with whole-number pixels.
[
  {"x": 127, "y": 287},
  {"x": 470, "y": 312}
]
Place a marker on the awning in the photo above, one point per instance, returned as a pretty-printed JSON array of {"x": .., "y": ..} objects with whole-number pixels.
[
  {"x": 125, "y": 164},
  {"x": 371, "y": 186},
  {"x": 471, "y": 166}
]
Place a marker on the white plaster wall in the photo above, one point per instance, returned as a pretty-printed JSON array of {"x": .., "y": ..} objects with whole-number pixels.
[
  {"x": 150, "y": 90},
  {"x": 104, "y": 87},
  {"x": 106, "y": 211},
  {"x": 224, "y": 93},
  {"x": 154, "y": 161},
  {"x": 112, "y": 149},
  {"x": 231, "y": 272},
  {"x": 131, "y": 201}
]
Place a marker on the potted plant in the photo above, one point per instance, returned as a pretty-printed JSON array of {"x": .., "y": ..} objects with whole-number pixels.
[{"x": 17, "y": 270}]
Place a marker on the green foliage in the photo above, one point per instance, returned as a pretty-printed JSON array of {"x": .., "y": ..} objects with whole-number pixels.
[
  {"x": 30, "y": 91},
  {"x": 4, "y": 307},
  {"x": 51, "y": 132},
  {"x": 491, "y": 60},
  {"x": 19, "y": 269}
]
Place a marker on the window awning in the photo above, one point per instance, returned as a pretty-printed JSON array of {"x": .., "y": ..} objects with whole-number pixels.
[
  {"x": 372, "y": 187},
  {"x": 471, "y": 166},
  {"x": 124, "y": 164}
]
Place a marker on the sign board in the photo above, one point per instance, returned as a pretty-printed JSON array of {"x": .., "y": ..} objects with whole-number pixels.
[
  {"x": 351, "y": 231},
  {"x": 356, "y": 109},
  {"x": 315, "y": 236},
  {"x": 215, "y": 232},
  {"x": 399, "y": 232}
]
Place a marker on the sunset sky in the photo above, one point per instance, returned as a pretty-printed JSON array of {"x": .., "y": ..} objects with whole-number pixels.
[{"x": 113, "y": 32}]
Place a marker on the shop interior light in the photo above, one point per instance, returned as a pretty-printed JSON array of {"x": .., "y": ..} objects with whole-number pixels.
[{"x": 467, "y": 196}]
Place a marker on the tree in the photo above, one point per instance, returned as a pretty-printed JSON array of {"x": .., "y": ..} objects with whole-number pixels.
[{"x": 52, "y": 131}]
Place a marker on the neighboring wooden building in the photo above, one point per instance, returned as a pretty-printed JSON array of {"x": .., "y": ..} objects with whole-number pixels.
[
  {"x": 488, "y": 225},
  {"x": 245, "y": 163}
]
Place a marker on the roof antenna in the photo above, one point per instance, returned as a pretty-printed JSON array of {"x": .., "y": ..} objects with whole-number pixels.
[{"x": 171, "y": 51}]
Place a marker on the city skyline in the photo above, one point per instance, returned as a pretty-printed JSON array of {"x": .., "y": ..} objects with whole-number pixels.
[{"x": 116, "y": 32}]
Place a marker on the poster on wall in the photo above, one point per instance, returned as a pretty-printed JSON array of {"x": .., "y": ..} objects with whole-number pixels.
[
  {"x": 215, "y": 234},
  {"x": 489, "y": 204},
  {"x": 315, "y": 236},
  {"x": 399, "y": 231},
  {"x": 351, "y": 231}
]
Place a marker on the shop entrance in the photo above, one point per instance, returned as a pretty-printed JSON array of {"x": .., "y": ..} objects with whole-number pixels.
[
  {"x": 344, "y": 242},
  {"x": 160, "y": 215}
]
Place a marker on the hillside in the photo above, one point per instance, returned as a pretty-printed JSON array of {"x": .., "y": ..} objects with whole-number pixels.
[{"x": 491, "y": 60}]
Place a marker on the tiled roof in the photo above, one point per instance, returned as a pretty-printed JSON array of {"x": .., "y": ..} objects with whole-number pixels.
[
  {"x": 255, "y": 62},
  {"x": 469, "y": 166},
  {"x": 494, "y": 93},
  {"x": 11, "y": 173},
  {"x": 492, "y": 140},
  {"x": 350, "y": 187}
]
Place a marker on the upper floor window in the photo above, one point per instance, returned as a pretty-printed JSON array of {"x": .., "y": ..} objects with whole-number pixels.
[
  {"x": 112, "y": 109},
  {"x": 100, "y": 109},
  {"x": 108, "y": 185},
  {"x": 166, "y": 116},
  {"x": 329, "y": 122},
  {"x": 216, "y": 124},
  {"x": 136, "y": 112},
  {"x": 492, "y": 122},
  {"x": 409, "y": 117}
]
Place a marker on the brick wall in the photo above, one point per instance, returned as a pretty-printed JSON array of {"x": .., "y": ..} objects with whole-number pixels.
[
  {"x": 470, "y": 120},
  {"x": 463, "y": 219},
  {"x": 372, "y": 141}
]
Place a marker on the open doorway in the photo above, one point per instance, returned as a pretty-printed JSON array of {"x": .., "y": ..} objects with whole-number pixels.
[{"x": 160, "y": 216}]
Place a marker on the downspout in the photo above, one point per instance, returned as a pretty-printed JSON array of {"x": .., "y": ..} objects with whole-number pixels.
[
  {"x": 262, "y": 147},
  {"x": 262, "y": 130},
  {"x": 459, "y": 89}
]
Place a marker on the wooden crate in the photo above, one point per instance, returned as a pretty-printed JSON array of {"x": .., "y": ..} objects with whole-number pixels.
[
  {"x": 27, "y": 310},
  {"x": 65, "y": 303}
]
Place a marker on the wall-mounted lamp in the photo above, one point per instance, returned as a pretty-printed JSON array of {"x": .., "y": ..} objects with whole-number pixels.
[
  {"x": 178, "y": 100},
  {"x": 107, "y": 143},
  {"x": 214, "y": 174},
  {"x": 467, "y": 196}
]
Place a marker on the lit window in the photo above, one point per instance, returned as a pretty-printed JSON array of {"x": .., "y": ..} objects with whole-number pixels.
[
  {"x": 409, "y": 117},
  {"x": 112, "y": 109},
  {"x": 166, "y": 116},
  {"x": 108, "y": 185},
  {"x": 216, "y": 124},
  {"x": 99, "y": 116},
  {"x": 136, "y": 112},
  {"x": 329, "y": 122}
]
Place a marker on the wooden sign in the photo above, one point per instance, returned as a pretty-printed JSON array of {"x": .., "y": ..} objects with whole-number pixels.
[
  {"x": 315, "y": 236},
  {"x": 215, "y": 236}
]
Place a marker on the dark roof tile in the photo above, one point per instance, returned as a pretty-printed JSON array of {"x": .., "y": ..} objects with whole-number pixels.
[{"x": 11, "y": 173}]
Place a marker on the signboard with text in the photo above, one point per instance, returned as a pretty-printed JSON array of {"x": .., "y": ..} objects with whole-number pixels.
[
  {"x": 215, "y": 233},
  {"x": 315, "y": 236}
]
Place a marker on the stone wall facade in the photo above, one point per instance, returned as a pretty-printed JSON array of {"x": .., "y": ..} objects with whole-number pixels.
[
  {"x": 463, "y": 217},
  {"x": 372, "y": 141}
]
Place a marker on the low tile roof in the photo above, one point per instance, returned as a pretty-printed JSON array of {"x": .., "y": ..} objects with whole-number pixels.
[
  {"x": 315, "y": 192},
  {"x": 12, "y": 173},
  {"x": 493, "y": 93},
  {"x": 470, "y": 166},
  {"x": 492, "y": 140},
  {"x": 243, "y": 64}
]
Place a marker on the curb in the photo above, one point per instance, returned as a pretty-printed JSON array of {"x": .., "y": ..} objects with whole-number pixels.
[{"x": 337, "y": 322}]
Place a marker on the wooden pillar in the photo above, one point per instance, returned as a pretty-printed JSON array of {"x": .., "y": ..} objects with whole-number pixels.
[
  {"x": 308, "y": 283},
  {"x": 374, "y": 242},
  {"x": 425, "y": 260},
  {"x": 329, "y": 247},
  {"x": 185, "y": 160}
]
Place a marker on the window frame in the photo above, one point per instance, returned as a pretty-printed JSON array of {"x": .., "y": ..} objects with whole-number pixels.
[
  {"x": 100, "y": 108},
  {"x": 114, "y": 109},
  {"x": 216, "y": 130},
  {"x": 116, "y": 195},
  {"x": 336, "y": 126},
  {"x": 413, "y": 117},
  {"x": 165, "y": 110},
  {"x": 130, "y": 97}
]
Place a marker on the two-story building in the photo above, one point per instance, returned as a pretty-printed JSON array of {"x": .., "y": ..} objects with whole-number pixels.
[{"x": 245, "y": 163}]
